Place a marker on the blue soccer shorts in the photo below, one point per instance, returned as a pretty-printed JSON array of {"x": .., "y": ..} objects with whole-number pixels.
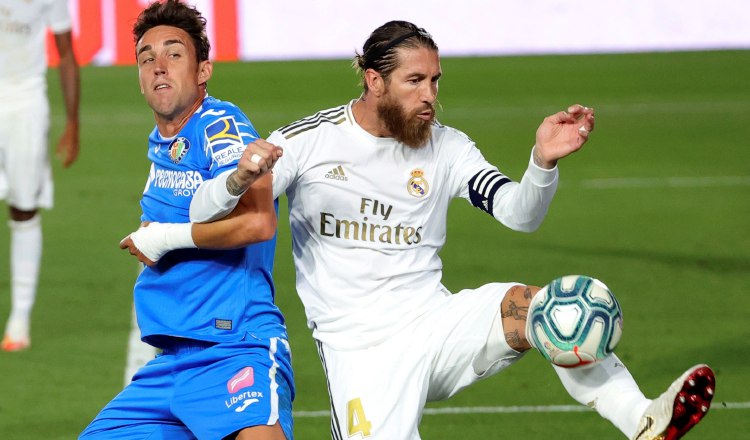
[{"x": 205, "y": 391}]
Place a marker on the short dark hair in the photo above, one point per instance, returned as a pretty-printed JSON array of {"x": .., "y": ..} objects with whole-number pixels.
[
  {"x": 379, "y": 51},
  {"x": 177, "y": 14}
]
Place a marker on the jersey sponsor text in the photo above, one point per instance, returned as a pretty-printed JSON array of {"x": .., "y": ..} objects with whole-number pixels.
[
  {"x": 365, "y": 230},
  {"x": 239, "y": 398},
  {"x": 182, "y": 180}
]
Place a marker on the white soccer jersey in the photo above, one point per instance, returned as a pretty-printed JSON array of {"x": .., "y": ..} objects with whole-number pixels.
[
  {"x": 23, "y": 48},
  {"x": 368, "y": 218}
]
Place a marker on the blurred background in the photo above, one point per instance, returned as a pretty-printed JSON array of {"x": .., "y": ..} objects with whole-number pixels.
[
  {"x": 252, "y": 30},
  {"x": 656, "y": 205}
]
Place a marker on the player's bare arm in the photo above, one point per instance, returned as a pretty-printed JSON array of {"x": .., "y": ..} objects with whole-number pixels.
[
  {"x": 562, "y": 134},
  {"x": 68, "y": 145},
  {"x": 252, "y": 221},
  {"x": 259, "y": 157}
]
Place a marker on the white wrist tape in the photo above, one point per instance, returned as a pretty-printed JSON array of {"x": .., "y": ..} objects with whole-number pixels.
[{"x": 156, "y": 239}]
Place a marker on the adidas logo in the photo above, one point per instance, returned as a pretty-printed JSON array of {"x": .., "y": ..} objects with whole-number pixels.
[
  {"x": 337, "y": 174},
  {"x": 646, "y": 427}
]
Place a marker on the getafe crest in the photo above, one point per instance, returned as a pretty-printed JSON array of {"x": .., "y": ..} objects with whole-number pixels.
[
  {"x": 178, "y": 149},
  {"x": 417, "y": 185}
]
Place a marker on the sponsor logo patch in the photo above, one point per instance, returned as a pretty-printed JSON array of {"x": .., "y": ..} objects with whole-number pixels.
[
  {"x": 178, "y": 149},
  {"x": 245, "y": 404},
  {"x": 243, "y": 379},
  {"x": 417, "y": 185},
  {"x": 223, "y": 324},
  {"x": 337, "y": 174},
  {"x": 245, "y": 399},
  {"x": 224, "y": 141}
]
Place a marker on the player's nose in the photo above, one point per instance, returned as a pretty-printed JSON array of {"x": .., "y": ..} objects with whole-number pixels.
[
  {"x": 429, "y": 94},
  {"x": 160, "y": 67}
]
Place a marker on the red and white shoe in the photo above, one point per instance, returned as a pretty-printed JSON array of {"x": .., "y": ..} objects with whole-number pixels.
[
  {"x": 9, "y": 344},
  {"x": 16, "y": 336},
  {"x": 682, "y": 406}
]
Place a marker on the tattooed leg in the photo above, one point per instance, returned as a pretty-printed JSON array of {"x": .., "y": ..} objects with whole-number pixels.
[{"x": 514, "y": 309}]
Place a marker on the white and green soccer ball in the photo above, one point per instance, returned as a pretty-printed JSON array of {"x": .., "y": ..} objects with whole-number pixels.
[{"x": 574, "y": 321}]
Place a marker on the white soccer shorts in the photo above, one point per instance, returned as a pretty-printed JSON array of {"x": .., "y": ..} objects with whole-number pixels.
[
  {"x": 25, "y": 173},
  {"x": 379, "y": 392}
]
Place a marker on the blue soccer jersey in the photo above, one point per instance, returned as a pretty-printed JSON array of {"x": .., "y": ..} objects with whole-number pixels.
[{"x": 209, "y": 295}]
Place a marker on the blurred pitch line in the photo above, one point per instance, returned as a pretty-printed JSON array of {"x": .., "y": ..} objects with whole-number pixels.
[
  {"x": 666, "y": 182},
  {"x": 516, "y": 409}
]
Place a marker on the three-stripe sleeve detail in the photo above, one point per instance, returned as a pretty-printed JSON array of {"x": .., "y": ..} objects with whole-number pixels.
[{"x": 483, "y": 186}]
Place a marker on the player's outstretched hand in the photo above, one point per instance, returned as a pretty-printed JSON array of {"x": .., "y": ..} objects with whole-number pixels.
[{"x": 562, "y": 134}]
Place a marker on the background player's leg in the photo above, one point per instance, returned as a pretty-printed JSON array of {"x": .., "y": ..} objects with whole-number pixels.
[
  {"x": 143, "y": 409},
  {"x": 29, "y": 181},
  {"x": 25, "y": 259},
  {"x": 139, "y": 353}
]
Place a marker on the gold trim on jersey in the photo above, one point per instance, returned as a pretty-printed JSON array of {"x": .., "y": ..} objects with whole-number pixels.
[{"x": 334, "y": 116}]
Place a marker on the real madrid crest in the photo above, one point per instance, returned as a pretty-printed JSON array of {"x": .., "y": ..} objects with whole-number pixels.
[
  {"x": 417, "y": 185},
  {"x": 178, "y": 149}
]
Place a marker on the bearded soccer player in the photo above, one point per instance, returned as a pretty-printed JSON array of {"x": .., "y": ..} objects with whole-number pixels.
[
  {"x": 25, "y": 174},
  {"x": 369, "y": 184},
  {"x": 225, "y": 367}
]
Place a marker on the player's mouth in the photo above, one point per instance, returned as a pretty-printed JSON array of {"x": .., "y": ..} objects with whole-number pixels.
[
  {"x": 162, "y": 86},
  {"x": 426, "y": 115}
]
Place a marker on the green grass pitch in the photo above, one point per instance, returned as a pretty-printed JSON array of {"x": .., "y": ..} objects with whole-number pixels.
[{"x": 656, "y": 205}]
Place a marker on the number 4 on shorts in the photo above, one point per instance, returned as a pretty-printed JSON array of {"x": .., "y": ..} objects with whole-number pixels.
[{"x": 356, "y": 421}]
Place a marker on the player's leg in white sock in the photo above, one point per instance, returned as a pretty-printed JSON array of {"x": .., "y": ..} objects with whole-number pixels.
[
  {"x": 606, "y": 386},
  {"x": 609, "y": 388},
  {"x": 25, "y": 260}
]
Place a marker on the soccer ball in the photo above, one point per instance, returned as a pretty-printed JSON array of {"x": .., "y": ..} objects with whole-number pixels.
[{"x": 574, "y": 321}]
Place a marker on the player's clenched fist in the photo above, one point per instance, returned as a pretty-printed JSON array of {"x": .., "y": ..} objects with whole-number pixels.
[{"x": 259, "y": 158}]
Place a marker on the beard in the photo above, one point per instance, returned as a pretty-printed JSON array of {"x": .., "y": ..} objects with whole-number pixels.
[{"x": 405, "y": 128}]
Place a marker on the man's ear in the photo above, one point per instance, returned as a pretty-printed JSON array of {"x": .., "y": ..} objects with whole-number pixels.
[
  {"x": 205, "y": 70},
  {"x": 375, "y": 82}
]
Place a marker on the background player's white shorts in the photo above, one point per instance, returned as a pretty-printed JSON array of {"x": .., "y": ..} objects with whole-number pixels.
[
  {"x": 381, "y": 391},
  {"x": 25, "y": 174}
]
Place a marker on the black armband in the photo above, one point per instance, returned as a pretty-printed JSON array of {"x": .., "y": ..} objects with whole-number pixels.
[{"x": 483, "y": 186}]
